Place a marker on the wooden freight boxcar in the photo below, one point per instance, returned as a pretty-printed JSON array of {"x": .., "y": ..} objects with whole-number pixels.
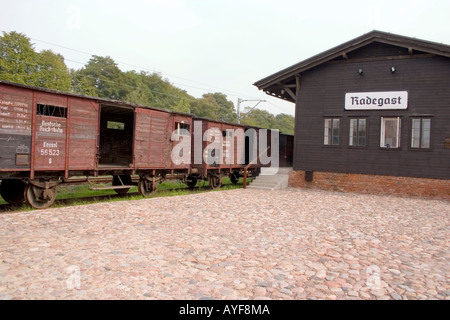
[
  {"x": 46, "y": 137},
  {"x": 224, "y": 149}
]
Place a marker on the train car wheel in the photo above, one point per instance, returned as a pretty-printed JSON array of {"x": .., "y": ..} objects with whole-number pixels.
[
  {"x": 191, "y": 182},
  {"x": 234, "y": 177},
  {"x": 12, "y": 191},
  {"x": 215, "y": 181},
  {"x": 146, "y": 187},
  {"x": 40, "y": 198},
  {"x": 120, "y": 181}
]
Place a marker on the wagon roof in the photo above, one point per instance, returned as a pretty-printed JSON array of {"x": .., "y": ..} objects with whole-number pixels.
[
  {"x": 119, "y": 103},
  {"x": 288, "y": 74},
  {"x": 98, "y": 99},
  {"x": 222, "y": 122}
]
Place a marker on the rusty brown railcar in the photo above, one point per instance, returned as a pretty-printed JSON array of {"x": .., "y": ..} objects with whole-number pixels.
[
  {"x": 47, "y": 137},
  {"x": 228, "y": 149},
  {"x": 218, "y": 150}
]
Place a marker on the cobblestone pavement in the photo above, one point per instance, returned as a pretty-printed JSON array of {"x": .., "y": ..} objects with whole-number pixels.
[{"x": 238, "y": 244}]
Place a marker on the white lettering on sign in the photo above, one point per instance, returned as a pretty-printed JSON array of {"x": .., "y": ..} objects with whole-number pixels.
[
  {"x": 51, "y": 126},
  {"x": 13, "y": 103},
  {"x": 391, "y": 100},
  {"x": 23, "y": 149},
  {"x": 50, "y": 149},
  {"x": 15, "y": 117}
]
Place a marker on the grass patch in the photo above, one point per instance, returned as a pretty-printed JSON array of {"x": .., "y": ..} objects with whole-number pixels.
[{"x": 73, "y": 195}]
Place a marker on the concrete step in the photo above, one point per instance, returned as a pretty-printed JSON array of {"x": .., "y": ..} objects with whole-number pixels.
[
  {"x": 259, "y": 184},
  {"x": 275, "y": 171},
  {"x": 260, "y": 187},
  {"x": 271, "y": 179}
]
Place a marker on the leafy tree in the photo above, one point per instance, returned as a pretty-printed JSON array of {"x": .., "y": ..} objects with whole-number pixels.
[
  {"x": 152, "y": 90},
  {"x": 20, "y": 63},
  {"x": 104, "y": 76},
  {"x": 101, "y": 77},
  {"x": 264, "y": 119},
  {"x": 224, "y": 108},
  {"x": 204, "y": 108},
  {"x": 82, "y": 84},
  {"x": 18, "y": 60},
  {"x": 183, "y": 105},
  {"x": 285, "y": 123},
  {"x": 214, "y": 106},
  {"x": 258, "y": 118},
  {"x": 141, "y": 94},
  {"x": 53, "y": 72}
]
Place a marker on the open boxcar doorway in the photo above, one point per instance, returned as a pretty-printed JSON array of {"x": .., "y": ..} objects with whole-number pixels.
[{"x": 116, "y": 136}]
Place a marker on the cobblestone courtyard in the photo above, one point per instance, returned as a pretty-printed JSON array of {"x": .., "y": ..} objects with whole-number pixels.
[{"x": 238, "y": 244}]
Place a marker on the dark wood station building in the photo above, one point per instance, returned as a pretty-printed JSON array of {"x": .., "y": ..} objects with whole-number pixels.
[{"x": 372, "y": 115}]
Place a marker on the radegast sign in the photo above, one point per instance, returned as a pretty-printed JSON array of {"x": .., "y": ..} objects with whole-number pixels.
[{"x": 391, "y": 100}]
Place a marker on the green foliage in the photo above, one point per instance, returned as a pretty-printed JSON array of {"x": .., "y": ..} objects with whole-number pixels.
[
  {"x": 214, "y": 106},
  {"x": 53, "y": 73},
  {"x": 285, "y": 123},
  {"x": 223, "y": 107},
  {"x": 140, "y": 92},
  {"x": 18, "y": 58},
  {"x": 150, "y": 89},
  {"x": 101, "y": 77},
  {"x": 20, "y": 63},
  {"x": 204, "y": 109},
  {"x": 264, "y": 119},
  {"x": 258, "y": 118}
]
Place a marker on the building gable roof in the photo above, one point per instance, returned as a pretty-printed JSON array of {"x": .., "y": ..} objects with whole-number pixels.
[{"x": 288, "y": 75}]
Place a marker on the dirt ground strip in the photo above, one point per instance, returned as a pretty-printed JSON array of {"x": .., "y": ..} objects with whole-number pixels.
[{"x": 238, "y": 244}]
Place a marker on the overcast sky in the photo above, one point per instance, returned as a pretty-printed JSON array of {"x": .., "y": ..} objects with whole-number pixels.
[{"x": 215, "y": 46}]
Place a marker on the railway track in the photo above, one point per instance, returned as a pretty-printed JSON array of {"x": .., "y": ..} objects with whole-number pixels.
[
  {"x": 69, "y": 201},
  {"x": 9, "y": 208}
]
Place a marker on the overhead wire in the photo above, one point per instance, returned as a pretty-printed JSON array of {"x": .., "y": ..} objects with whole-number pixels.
[
  {"x": 95, "y": 78},
  {"x": 233, "y": 93},
  {"x": 150, "y": 70}
]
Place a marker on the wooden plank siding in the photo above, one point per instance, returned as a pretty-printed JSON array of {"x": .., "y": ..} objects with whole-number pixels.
[
  {"x": 16, "y": 109},
  {"x": 426, "y": 78},
  {"x": 172, "y": 129},
  {"x": 46, "y": 132},
  {"x": 83, "y": 135},
  {"x": 142, "y": 138},
  {"x": 153, "y": 143},
  {"x": 50, "y": 131},
  {"x": 50, "y": 143},
  {"x": 231, "y": 148},
  {"x": 160, "y": 156}
]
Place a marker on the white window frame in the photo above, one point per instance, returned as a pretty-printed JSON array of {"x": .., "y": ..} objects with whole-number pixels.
[
  {"x": 418, "y": 133},
  {"x": 358, "y": 125},
  {"x": 383, "y": 133},
  {"x": 329, "y": 131}
]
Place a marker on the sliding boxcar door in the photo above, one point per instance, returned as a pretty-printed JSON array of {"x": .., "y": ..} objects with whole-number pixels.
[
  {"x": 142, "y": 139},
  {"x": 83, "y": 134}
]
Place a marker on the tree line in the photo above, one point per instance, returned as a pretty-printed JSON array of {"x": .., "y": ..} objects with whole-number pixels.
[{"x": 101, "y": 77}]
